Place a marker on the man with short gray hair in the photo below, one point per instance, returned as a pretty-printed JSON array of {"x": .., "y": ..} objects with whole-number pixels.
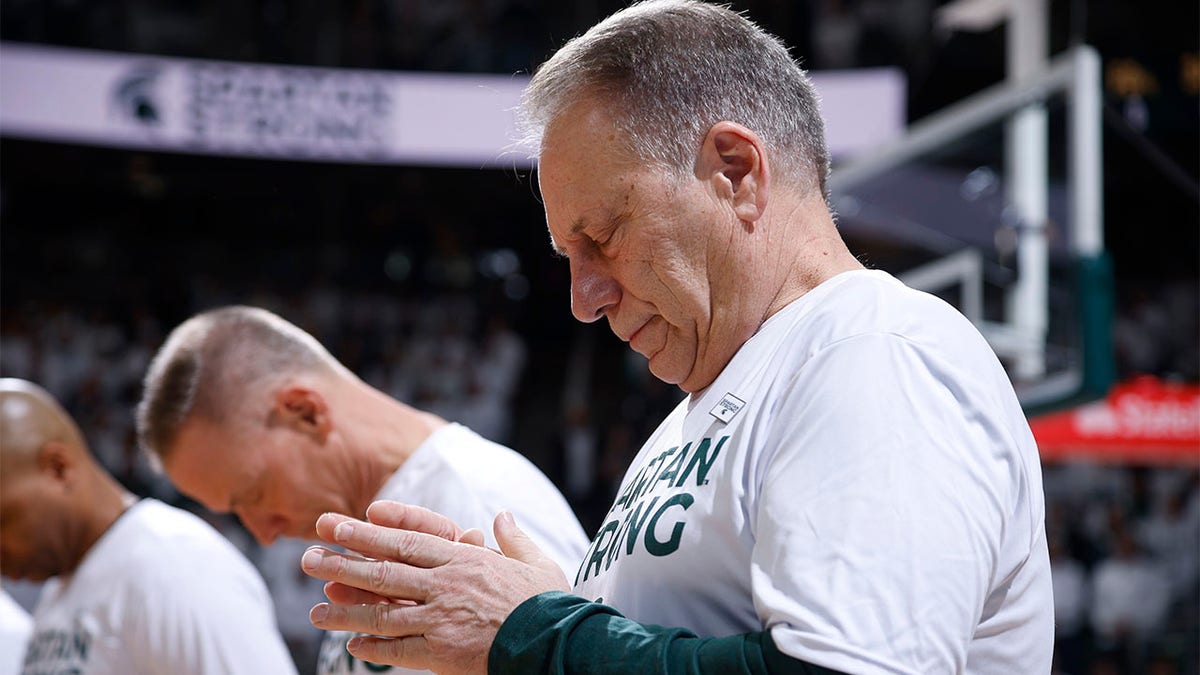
[
  {"x": 248, "y": 413},
  {"x": 850, "y": 484}
]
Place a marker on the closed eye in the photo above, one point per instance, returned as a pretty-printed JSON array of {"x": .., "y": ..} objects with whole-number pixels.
[
  {"x": 599, "y": 235},
  {"x": 606, "y": 235}
]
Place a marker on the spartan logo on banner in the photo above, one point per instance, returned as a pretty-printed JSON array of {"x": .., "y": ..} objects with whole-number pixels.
[{"x": 135, "y": 96}]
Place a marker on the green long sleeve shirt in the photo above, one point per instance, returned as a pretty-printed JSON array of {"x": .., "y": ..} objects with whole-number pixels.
[{"x": 559, "y": 633}]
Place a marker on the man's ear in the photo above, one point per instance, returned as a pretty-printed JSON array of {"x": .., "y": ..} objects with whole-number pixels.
[
  {"x": 734, "y": 160},
  {"x": 303, "y": 410},
  {"x": 55, "y": 461}
]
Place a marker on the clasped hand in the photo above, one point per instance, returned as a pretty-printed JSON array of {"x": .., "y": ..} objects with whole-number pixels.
[{"x": 432, "y": 595}]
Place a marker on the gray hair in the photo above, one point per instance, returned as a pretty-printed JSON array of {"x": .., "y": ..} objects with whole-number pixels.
[
  {"x": 209, "y": 363},
  {"x": 667, "y": 70}
]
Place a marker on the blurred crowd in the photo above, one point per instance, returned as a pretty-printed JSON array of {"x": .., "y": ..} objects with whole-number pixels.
[
  {"x": 1125, "y": 559},
  {"x": 1156, "y": 330},
  {"x": 444, "y": 355},
  {"x": 501, "y": 36}
]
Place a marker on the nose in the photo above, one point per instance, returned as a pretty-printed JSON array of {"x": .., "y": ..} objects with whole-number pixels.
[{"x": 593, "y": 290}]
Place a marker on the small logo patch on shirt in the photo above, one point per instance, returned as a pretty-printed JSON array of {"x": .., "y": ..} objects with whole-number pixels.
[{"x": 727, "y": 408}]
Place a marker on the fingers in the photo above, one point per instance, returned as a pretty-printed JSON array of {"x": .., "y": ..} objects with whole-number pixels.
[
  {"x": 415, "y": 518},
  {"x": 393, "y": 580},
  {"x": 327, "y": 523},
  {"x": 384, "y": 543},
  {"x": 383, "y": 619},
  {"x": 410, "y": 652},
  {"x": 341, "y": 594},
  {"x": 473, "y": 536}
]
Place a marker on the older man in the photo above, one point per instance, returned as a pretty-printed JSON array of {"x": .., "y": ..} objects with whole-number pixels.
[
  {"x": 250, "y": 414},
  {"x": 139, "y": 586},
  {"x": 850, "y": 484}
]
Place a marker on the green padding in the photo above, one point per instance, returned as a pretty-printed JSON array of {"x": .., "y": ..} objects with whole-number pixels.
[
  {"x": 561, "y": 633},
  {"x": 1094, "y": 285}
]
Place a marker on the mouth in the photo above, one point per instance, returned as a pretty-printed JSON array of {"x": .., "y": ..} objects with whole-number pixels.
[
  {"x": 630, "y": 338},
  {"x": 646, "y": 342}
]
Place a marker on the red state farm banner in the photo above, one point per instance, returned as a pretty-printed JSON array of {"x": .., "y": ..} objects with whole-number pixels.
[{"x": 1142, "y": 421}]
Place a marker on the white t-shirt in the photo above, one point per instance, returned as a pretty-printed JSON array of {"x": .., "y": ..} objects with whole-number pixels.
[
  {"x": 15, "y": 628},
  {"x": 160, "y": 592},
  {"x": 860, "y": 480},
  {"x": 470, "y": 479}
]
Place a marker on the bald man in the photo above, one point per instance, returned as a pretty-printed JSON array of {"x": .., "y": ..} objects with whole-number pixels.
[{"x": 135, "y": 586}]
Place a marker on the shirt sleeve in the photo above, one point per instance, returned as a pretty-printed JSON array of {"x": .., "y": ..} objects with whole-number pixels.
[
  {"x": 208, "y": 617},
  {"x": 880, "y": 510},
  {"x": 558, "y": 633}
]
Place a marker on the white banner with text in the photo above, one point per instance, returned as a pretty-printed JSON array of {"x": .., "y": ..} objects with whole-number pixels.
[{"x": 329, "y": 114}]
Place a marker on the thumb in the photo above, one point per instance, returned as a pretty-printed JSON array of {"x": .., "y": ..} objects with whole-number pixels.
[
  {"x": 545, "y": 574},
  {"x": 514, "y": 543}
]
